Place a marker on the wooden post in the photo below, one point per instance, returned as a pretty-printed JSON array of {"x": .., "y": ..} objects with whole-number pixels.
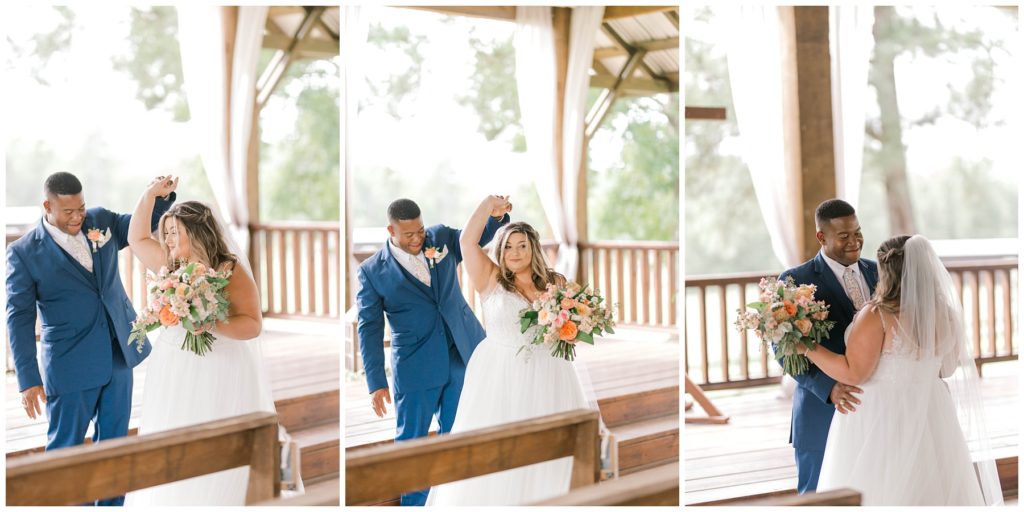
[
  {"x": 586, "y": 466},
  {"x": 561, "y": 21},
  {"x": 264, "y": 466},
  {"x": 814, "y": 111}
]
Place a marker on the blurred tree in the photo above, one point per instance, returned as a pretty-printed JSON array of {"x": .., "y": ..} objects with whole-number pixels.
[
  {"x": 153, "y": 60},
  {"x": 44, "y": 46},
  {"x": 395, "y": 88}
]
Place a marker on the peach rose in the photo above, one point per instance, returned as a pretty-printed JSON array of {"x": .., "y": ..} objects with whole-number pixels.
[
  {"x": 93, "y": 235},
  {"x": 167, "y": 317},
  {"x": 820, "y": 315},
  {"x": 582, "y": 309},
  {"x": 568, "y": 303},
  {"x": 430, "y": 253},
  {"x": 790, "y": 307},
  {"x": 780, "y": 314},
  {"x": 543, "y": 317},
  {"x": 568, "y": 331},
  {"x": 804, "y": 326}
]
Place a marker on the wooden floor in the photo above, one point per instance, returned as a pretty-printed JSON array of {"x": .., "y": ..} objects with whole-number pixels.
[
  {"x": 633, "y": 360},
  {"x": 302, "y": 357},
  {"x": 751, "y": 455}
]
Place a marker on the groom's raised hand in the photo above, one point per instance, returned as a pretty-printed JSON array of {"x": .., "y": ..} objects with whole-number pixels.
[
  {"x": 162, "y": 186},
  {"x": 377, "y": 399},
  {"x": 32, "y": 399}
]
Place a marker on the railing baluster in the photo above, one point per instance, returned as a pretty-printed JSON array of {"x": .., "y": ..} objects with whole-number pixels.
[
  {"x": 297, "y": 271},
  {"x": 606, "y": 283},
  {"x": 268, "y": 247},
  {"x": 976, "y": 309},
  {"x": 702, "y": 311},
  {"x": 645, "y": 285},
  {"x": 658, "y": 277},
  {"x": 991, "y": 283},
  {"x": 744, "y": 356},
  {"x": 620, "y": 257},
  {"x": 325, "y": 273},
  {"x": 673, "y": 286},
  {"x": 282, "y": 282},
  {"x": 723, "y": 325},
  {"x": 310, "y": 281},
  {"x": 1007, "y": 313}
]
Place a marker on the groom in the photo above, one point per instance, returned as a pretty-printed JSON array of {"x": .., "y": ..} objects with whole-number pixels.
[
  {"x": 66, "y": 269},
  {"x": 414, "y": 280},
  {"x": 845, "y": 282}
]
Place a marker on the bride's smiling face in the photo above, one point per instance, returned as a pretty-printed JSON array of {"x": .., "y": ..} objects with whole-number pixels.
[
  {"x": 517, "y": 253},
  {"x": 177, "y": 240}
]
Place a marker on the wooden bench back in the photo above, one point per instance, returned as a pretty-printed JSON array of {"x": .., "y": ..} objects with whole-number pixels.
[
  {"x": 650, "y": 488},
  {"x": 380, "y": 473},
  {"x": 83, "y": 474},
  {"x": 836, "y": 498}
]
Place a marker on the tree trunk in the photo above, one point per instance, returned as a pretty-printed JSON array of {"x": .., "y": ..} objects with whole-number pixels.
[{"x": 893, "y": 153}]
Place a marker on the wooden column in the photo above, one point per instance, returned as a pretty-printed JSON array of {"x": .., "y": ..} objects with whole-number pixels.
[
  {"x": 817, "y": 179},
  {"x": 561, "y": 19}
]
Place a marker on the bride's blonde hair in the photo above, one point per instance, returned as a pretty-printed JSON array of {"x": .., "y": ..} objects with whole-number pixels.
[
  {"x": 890, "y": 275},
  {"x": 205, "y": 237}
]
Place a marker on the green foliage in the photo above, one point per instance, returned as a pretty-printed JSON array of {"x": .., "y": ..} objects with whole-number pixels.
[
  {"x": 42, "y": 47},
  {"x": 299, "y": 178},
  {"x": 396, "y": 90},
  {"x": 494, "y": 95},
  {"x": 153, "y": 60}
]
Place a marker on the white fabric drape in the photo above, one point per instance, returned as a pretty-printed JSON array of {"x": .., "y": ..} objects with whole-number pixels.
[
  {"x": 536, "y": 83},
  {"x": 851, "y": 44},
  {"x": 757, "y": 71},
  {"x": 354, "y": 30},
  {"x": 221, "y": 130},
  {"x": 584, "y": 25}
]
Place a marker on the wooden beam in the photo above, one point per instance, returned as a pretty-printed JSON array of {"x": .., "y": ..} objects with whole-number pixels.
[
  {"x": 604, "y": 103},
  {"x": 633, "y": 86},
  {"x": 814, "y": 87},
  {"x": 673, "y": 18},
  {"x": 614, "y": 12},
  {"x": 309, "y": 47},
  {"x": 494, "y": 12},
  {"x": 652, "y": 45},
  {"x": 628, "y": 47},
  {"x": 561, "y": 23},
  {"x": 705, "y": 113},
  {"x": 283, "y": 58}
]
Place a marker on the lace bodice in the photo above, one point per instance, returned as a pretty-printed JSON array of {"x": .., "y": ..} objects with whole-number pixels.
[
  {"x": 899, "y": 361},
  {"x": 501, "y": 310}
]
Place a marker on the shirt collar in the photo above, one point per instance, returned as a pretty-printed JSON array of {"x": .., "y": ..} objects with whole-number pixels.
[
  {"x": 401, "y": 252},
  {"x": 837, "y": 267}
]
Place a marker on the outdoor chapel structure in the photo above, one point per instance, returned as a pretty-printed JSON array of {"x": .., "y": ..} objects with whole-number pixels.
[
  {"x": 737, "y": 450},
  {"x": 297, "y": 267},
  {"x": 635, "y": 373}
]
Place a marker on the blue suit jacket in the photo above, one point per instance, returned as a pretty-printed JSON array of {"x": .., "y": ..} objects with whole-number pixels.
[
  {"x": 79, "y": 310},
  {"x": 419, "y": 314},
  {"x": 812, "y": 410}
]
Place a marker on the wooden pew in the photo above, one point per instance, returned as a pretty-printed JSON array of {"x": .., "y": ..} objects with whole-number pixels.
[
  {"x": 83, "y": 474},
  {"x": 380, "y": 473},
  {"x": 836, "y": 498},
  {"x": 327, "y": 496},
  {"x": 650, "y": 488}
]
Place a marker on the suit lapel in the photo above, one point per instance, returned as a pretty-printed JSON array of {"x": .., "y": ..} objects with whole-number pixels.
[
  {"x": 869, "y": 275},
  {"x": 64, "y": 259},
  {"x": 395, "y": 267},
  {"x": 96, "y": 256},
  {"x": 828, "y": 278},
  {"x": 432, "y": 267}
]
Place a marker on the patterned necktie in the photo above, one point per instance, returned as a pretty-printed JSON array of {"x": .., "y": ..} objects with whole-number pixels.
[
  {"x": 852, "y": 288},
  {"x": 420, "y": 270},
  {"x": 80, "y": 252}
]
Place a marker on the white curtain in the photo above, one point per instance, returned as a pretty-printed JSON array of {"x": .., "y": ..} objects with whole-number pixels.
[
  {"x": 582, "y": 35},
  {"x": 851, "y": 43},
  {"x": 535, "y": 80},
  {"x": 354, "y": 29},
  {"x": 222, "y": 131},
  {"x": 757, "y": 71}
]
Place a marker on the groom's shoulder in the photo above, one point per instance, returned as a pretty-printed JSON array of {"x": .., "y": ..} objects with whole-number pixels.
[
  {"x": 100, "y": 214},
  {"x": 804, "y": 269}
]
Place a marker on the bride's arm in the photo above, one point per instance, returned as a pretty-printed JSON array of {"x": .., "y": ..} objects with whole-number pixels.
[
  {"x": 140, "y": 236},
  {"x": 245, "y": 316},
  {"x": 482, "y": 271},
  {"x": 863, "y": 349}
]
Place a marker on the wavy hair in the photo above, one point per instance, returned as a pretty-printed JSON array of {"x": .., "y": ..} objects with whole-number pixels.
[
  {"x": 205, "y": 237},
  {"x": 890, "y": 274}
]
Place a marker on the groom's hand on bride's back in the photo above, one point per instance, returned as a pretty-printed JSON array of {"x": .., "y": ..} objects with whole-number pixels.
[
  {"x": 32, "y": 399},
  {"x": 377, "y": 399},
  {"x": 842, "y": 397}
]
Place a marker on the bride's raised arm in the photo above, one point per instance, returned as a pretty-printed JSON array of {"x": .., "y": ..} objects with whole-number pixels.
[
  {"x": 482, "y": 271},
  {"x": 863, "y": 349},
  {"x": 140, "y": 239}
]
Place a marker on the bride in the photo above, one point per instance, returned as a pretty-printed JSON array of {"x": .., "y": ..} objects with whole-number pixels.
[
  {"x": 182, "y": 388},
  {"x": 911, "y": 440},
  {"x": 503, "y": 385}
]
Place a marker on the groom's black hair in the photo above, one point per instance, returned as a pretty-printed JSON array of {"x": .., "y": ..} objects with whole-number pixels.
[
  {"x": 403, "y": 209},
  {"x": 832, "y": 209},
  {"x": 62, "y": 184}
]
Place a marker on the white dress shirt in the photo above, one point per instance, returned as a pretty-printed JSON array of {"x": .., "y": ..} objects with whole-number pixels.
[
  {"x": 414, "y": 263},
  {"x": 67, "y": 242},
  {"x": 839, "y": 269}
]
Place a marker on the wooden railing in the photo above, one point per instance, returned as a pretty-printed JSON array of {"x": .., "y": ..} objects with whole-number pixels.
[
  {"x": 112, "y": 468},
  {"x": 381, "y": 473},
  {"x": 641, "y": 278},
  {"x": 716, "y": 356},
  {"x": 651, "y": 488},
  {"x": 296, "y": 266}
]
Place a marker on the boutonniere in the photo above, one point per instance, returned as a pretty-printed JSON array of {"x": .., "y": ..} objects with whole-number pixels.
[
  {"x": 97, "y": 238},
  {"x": 434, "y": 255}
]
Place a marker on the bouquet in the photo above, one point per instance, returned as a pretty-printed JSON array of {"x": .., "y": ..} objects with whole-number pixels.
[
  {"x": 566, "y": 316},
  {"x": 786, "y": 315},
  {"x": 192, "y": 295}
]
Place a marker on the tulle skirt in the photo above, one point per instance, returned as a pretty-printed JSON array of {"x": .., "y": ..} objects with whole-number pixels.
[
  {"x": 501, "y": 387},
  {"x": 902, "y": 446},
  {"x": 183, "y": 389}
]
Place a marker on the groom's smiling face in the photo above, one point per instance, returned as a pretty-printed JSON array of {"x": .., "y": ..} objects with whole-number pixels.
[
  {"x": 409, "y": 235},
  {"x": 841, "y": 239},
  {"x": 65, "y": 212}
]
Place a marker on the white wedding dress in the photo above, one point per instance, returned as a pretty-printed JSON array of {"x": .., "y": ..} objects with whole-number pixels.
[
  {"x": 183, "y": 389},
  {"x": 903, "y": 445},
  {"x": 501, "y": 387}
]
